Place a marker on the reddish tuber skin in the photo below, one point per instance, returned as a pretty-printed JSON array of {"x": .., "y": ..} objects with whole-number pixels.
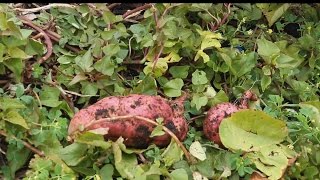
[
  {"x": 217, "y": 113},
  {"x": 136, "y": 133}
]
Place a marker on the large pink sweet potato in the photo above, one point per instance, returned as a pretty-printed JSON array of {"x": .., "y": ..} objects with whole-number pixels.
[
  {"x": 217, "y": 113},
  {"x": 134, "y": 131}
]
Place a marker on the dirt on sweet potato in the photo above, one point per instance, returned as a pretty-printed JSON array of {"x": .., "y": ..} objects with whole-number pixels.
[{"x": 136, "y": 133}]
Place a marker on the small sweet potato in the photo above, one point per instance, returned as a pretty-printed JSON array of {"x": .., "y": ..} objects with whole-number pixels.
[
  {"x": 217, "y": 113},
  {"x": 136, "y": 133}
]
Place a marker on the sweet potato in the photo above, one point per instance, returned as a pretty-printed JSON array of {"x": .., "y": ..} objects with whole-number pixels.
[
  {"x": 134, "y": 131},
  {"x": 217, "y": 113}
]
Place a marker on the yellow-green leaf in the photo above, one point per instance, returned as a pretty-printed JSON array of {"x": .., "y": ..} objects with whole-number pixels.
[
  {"x": 250, "y": 130},
  {"x": 15, "y": 118}
]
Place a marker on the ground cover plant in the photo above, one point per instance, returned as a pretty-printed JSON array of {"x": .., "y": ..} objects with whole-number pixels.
[{"x": 195, "y": 62}]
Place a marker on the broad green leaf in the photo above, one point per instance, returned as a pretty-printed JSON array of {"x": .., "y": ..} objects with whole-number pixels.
[
  {"x": 34, "y": 47},
  {"x": 17, "y": 158},
  {"x": 15, "y": 118},
  {"x": 265, "y": 82},
  {"x": 3, "y": 21},
  {"x": 71, "y": 20},
  {"x": 315, "y": 107},
  {"x": 110, "y": 18},
  {"x": 157, "y": 131},
  {"x": 65, "y": 59},
  {"x": 105, "y": 66},
  {"x": 78, "y": 78},
  {"x": 14, "y": 29},
  {"x": 250, "y": 130},
  {"x": 272, "y": 160},
  {"x": 285, "y": 61},
  {"x": 179, "y": 71},
  {"x": 178, "y": 174},
  {"x": 10, "y": 103},
  {"x": 274, "y": 11},
  {"x": 267, "y": 49},
  {"x": 199, "y": 101},
  {"x": 244, "y": 64},
  {"x": 106, "y": 172},
  {"x": 73, "y": 154},
  {"x": 199, "y": 77},
  {"x": 173, "y": 87},
  {"x": 16, "y": 66},
  {"x": 85, "y": 62},
  {"x": 49, "y": 96},
  {"x": 147, "y": 86},
  {"x": 111, "y": 49},
  {"x": 126, "y": 164},
  {"x": 197, "y": 151},
  {"x": 2, "y": 51},
  {"x": 93, "y": 139},
  {"x": 172, "y": 154},
  {"x": 15, "y": 52}
]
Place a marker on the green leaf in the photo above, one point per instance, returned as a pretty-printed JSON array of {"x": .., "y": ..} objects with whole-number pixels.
[
  {"x": 10, "y": 103},
  {"x": 2, "y": 51},
  {"x": 15, "y": 118},
  {"x": 73, "y": 154},
  {"x": 17, "y": 158},
  {"x": 250, "y": 130},
  {"x": 110, "y": 18},
  {"x": 126, "y": 164},
  {"x": 173, "y": 87},
  {"x": 267, "y": 49},
  {"x": 49, "y": 96},
  {"x": 172, "y": 154},
  {"x": 179, "y": 71},
  {"x": 157, "y": 131},
  {"x": 179, "y": 174},
  {"x": 244, "y": 64},
  {"x": 85, "y": 61},
  {"x": 271, "y": 160},
  {"x": 274, "y": 11},
  {"x": 34, "y": 47},
  {"x": 105, "y": 66},
  {"x": 199, "y": 77},
  {"x": 265, "y": 82},
  {"x": 15, "y": 52},
  {"x": 3, "y": 21},
  {"x": 65, "y": 59},
  {"x": 16, "y": 66},
  {"x": 111, "y": 49},
  {"x": 93, "y": 139},
  {"x": 147, "y": 86},
  {"x": 199, "y": 101},
  {"x": 106, "y": 172},
  {"x": 197, "y": 151}
]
